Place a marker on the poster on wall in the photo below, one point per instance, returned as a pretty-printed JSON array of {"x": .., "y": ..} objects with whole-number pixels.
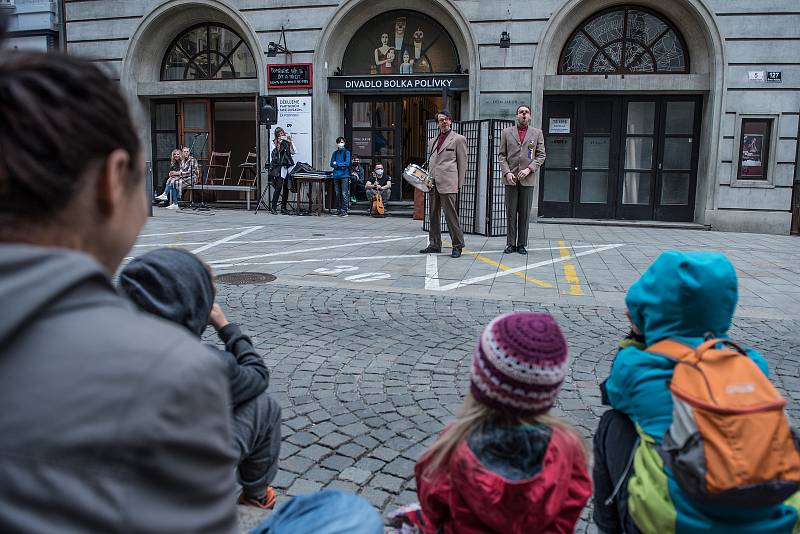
[
  {"x": 752, "y": 147},
  {"x": 294, "y": 116},
  {"x": 559, "y": 126}
]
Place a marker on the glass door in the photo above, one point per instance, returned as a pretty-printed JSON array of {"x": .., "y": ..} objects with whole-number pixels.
[
  {"x": 638, "y": 160},
  {"x": 195, "y": 131},
  {"x": 164, "y": 139},
  {"x": 373, "y": 130},
  {"x": 555, "y": 192},
  {"x": 676, "y": 181},
  {"x": 595, "y": 176}
]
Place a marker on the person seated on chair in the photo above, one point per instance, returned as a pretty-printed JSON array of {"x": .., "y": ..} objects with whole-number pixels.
[
  {"x": 189, "y": 174},
  {"x": 378, "y": 184},
  {"x": 356, "y": 179},
  {"x": 170, "y": 194}
]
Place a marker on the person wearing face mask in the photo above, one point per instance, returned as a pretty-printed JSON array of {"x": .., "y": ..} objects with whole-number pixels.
[
  {"x": 521, "y": 154},
  {"x": 356, "y": 179},
  {"x": 340, "y": 163},
  {"x": 281, "y": 161},
  {"x": 378, "y": 184}
]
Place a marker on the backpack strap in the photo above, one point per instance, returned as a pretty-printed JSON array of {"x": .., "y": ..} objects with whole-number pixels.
[{"x": 671, "y": 349}]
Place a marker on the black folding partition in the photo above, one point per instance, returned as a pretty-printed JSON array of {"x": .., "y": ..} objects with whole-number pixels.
[{"x": 482, "y": 198}]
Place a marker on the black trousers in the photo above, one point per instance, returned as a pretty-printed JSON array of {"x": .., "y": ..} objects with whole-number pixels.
[
  {"x": 257, "y": 437},
  {"x": 614, "y": 444},
  {"x": 281, "y": 187}
]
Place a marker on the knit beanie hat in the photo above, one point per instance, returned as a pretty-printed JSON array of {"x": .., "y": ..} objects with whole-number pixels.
[{"x": 519, "y": 363}]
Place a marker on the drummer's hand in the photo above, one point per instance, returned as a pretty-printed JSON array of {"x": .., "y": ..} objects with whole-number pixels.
[
  {"x": 510, "y": 178},
  {"x": 523, "y": 173}
]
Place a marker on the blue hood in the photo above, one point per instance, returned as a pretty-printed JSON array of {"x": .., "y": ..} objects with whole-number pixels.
[{"x": 684, "y": 295}]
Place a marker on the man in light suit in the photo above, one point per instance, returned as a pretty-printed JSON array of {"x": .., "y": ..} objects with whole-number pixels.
[
  {"x": 521, "y": 154},
  {"x": 448, "y": 167}
]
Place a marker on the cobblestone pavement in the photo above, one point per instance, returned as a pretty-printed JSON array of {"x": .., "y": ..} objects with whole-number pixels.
[
  {"x": 369, "y": 342},
  {"x": 367, "y": 379}
]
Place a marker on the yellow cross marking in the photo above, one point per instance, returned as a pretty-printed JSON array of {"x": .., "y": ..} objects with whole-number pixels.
[
  {"x": 502, "y": 267},
  {"x": 570, "y": 273}
]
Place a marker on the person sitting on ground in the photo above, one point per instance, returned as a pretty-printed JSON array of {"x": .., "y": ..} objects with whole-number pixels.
[
  {"x": 379, "y": 183},
  {"x": 177, "y": 286},
  {"x": 103, "y": 429},
  {"x": 189, "y": 175},
  {"x": 170, "y": 194},
  {"x": 504, "y": 465},
  {"x": 687, "y": 298}
]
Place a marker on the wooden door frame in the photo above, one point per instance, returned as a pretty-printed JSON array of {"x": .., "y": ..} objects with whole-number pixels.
[{"x": 182, "y": 130}]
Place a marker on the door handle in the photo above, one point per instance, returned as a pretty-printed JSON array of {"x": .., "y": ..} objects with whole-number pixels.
[
  {"x": 659, "y": 166},
  {"x": 576, "y": 168}
]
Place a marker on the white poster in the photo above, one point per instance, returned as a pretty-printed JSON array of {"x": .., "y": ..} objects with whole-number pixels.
[
  {"x": 559, "y": 126},
  {"x": 294, "y": 116}
]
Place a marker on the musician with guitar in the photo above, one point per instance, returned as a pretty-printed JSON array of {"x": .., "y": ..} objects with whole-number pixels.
[{"x": 378, "y": 184}]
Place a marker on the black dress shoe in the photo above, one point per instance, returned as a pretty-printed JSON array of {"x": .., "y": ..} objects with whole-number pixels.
[
  {"x": 430, "y": 250},
  {"x": 273, "y": 210},
  {"x": 522, "y": 250},
  {"x": 509, "y": 249},
  {"x": 456, "y": 253}
]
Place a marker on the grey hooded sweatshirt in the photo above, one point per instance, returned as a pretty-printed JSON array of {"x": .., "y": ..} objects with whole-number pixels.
[{"x": 112, "y": 420}]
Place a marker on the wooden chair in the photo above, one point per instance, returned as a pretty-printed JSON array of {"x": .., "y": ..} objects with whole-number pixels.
[
  {"x": 218, "y": 160},
  {"x": 247, "y": 176}
]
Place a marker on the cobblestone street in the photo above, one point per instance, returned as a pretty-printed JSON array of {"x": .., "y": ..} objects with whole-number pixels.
[{"x": 368, "y": 370}]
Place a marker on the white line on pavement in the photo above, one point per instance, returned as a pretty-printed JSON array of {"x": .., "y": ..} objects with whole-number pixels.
[
  {"x": 196, "y": 231},
  {"x": 299, "y": 239},
  {"x": 498, "y": 274},
  {"x": 314, "y": 249},
  {"x": 432, "y": 272},
  {"x": 187, "y": 244},
  {"x": 312, "y": 260},
  {"x": 225, "y": 239}
]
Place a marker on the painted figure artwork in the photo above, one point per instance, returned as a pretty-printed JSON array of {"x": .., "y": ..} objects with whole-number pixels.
[
  {"x": 381, "y": 52},
  {"x": 418, "y": 36},
  {"x": 399, "y": 32},
  {"x": 407, "y": 66},
  {"x": 388, "y": 64}
]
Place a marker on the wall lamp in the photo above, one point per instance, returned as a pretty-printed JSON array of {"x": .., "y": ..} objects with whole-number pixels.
[
  {"x": 273, "y": 49},
  {"x": 505, "y": 40}
]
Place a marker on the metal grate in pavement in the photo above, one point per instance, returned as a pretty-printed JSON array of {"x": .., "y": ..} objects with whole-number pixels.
[{"x": 239, "y": 279}]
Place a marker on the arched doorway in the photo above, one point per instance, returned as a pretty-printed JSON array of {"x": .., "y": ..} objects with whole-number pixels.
[
  {"x": 404, "y": 60},
  {"x": 631, "y": 99},
  {"x": 194, "y": 68},
  {"x": 446, "y": 49}
]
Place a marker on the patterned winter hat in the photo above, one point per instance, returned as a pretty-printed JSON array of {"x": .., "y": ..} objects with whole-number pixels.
[{"x": 519, "y": 363}]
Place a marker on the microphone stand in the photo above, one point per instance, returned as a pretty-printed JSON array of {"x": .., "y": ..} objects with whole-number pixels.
[{"x": 265, "y": 192}]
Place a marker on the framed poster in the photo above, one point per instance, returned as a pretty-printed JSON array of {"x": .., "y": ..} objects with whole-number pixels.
[
  {"x": 289, "y": 76},
  {"x": 294, "y": 116},
  {"x": 754, "y": 149}
]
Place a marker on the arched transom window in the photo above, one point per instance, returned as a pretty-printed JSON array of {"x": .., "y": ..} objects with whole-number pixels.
[
  {"x": 625, "y": 40},
  {"x": 208, "y": 52}
]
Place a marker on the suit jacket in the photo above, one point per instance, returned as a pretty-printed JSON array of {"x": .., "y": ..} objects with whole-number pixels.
[
  {"x": 448, "y": 165},
  {"x": 515, "y": 156}
]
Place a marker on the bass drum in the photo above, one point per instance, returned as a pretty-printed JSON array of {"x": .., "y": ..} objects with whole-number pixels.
[{"x": 418, "y": 177}]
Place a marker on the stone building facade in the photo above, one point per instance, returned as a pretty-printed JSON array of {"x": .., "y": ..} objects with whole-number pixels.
[
  {"x": 32, "y": 24},
  {"x": 685, "y": 110}
]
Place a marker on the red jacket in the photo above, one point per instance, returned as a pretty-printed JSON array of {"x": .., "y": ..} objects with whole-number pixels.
[{"x": 537, "y": 482}]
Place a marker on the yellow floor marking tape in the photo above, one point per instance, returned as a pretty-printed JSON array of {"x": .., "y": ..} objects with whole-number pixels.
[
  {"x": 502, "y": 267},
  {"x": 570, "y": 272}
]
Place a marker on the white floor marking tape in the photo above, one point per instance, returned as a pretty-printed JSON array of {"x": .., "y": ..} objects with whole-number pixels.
[
  {"x": 225, "y": 239},
  {"x": 498, "y": 274},
  {"x": 299, "y": 239},
  {"x": 314, "y": 249},
  {"x": 197, "y": 231},
  {"x": 432, "y": 272},
  {"x": 187, "y": 244}
]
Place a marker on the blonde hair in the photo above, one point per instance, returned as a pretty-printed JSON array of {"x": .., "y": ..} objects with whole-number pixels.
[{"x": 472, "y": 417}]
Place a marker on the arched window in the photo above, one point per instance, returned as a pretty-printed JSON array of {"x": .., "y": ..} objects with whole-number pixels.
[
  {"x": 208, "y": 52},
  {"x": 401, "y": 42},
  {"x": 625, "y": 40}
]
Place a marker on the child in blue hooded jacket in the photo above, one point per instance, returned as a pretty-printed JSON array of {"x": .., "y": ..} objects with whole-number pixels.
[{"x": 685, "y": 297}]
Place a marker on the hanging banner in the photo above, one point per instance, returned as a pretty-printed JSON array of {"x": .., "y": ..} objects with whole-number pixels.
[{"x": 294, "y": 116}]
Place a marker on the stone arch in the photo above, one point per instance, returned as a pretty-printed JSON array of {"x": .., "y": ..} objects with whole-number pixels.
[
  {"x": 707, "y": 73},
  {"x": 330, "y": 49},
  {"x": 157, "y": 30}
]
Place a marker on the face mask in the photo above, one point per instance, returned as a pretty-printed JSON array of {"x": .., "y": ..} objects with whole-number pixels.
[
  {"x": 379, "y": 172},
  {"x": 340, "y": 145}
]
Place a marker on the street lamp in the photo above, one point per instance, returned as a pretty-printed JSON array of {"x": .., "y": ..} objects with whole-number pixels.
[{"x": 273, "y": 49}]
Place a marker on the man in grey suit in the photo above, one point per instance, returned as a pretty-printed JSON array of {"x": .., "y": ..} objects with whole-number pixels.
[
  {"x": 521, "y": 154},
  {"x": 448, "y": 167}
]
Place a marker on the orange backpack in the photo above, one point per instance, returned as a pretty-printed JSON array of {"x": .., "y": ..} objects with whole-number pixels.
[{"x": 730, "y": 442}]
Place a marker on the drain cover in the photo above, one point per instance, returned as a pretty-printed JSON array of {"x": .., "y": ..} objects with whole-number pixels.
[{"x": 238, "y": 279}]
